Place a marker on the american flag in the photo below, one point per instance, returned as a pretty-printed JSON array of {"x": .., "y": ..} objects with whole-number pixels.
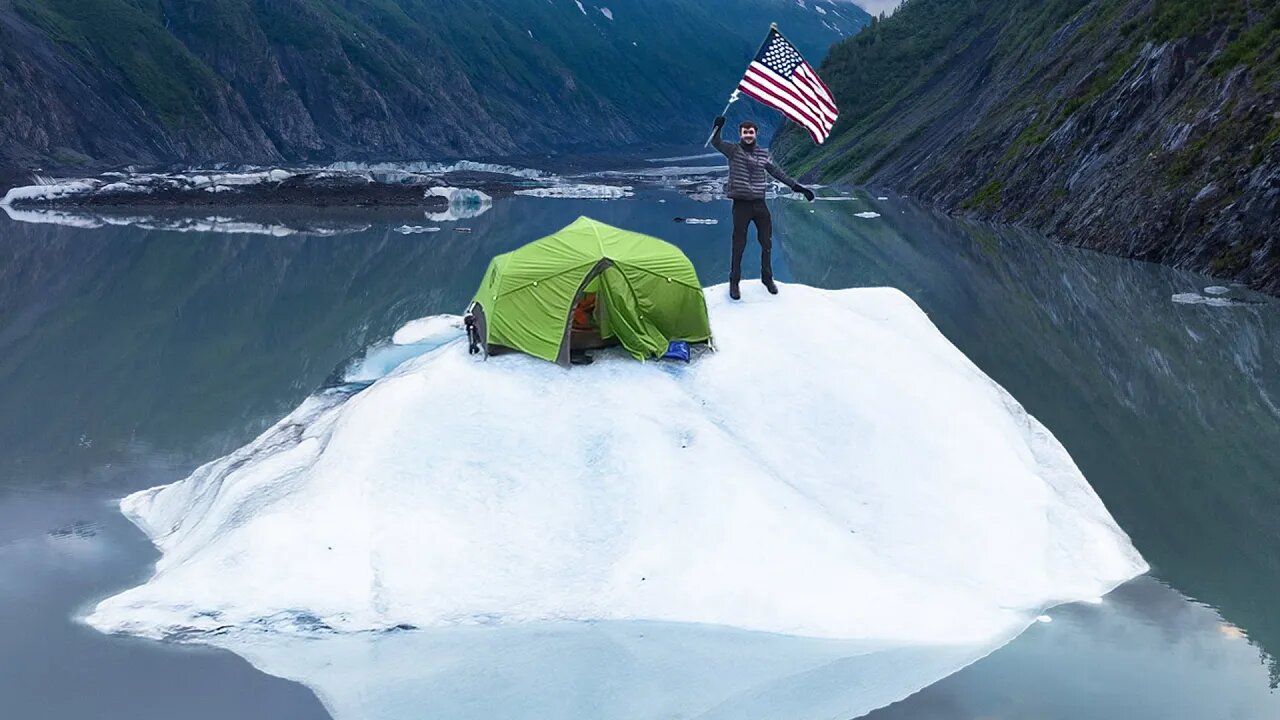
[{"x": 781, "y": 79}]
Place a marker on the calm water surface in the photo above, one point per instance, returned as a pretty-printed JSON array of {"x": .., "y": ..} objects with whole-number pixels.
[{"x": 128, "y": 356}]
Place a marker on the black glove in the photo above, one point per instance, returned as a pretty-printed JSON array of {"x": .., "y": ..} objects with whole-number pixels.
[
  {"x": 806, "y": 192},
  {"x": 719, "y": 121}
]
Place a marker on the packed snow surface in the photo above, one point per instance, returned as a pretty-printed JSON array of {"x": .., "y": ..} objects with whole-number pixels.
[
  {"x": 437, "y": 330},
  {"x": 873, "y": 486},
  {"x": 415, "y": 338}
]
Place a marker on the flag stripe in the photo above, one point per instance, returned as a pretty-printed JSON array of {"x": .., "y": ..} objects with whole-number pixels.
[
  {"x": 804, "y": 85},
  {"x": 792, "y": 90},
  {"x": 814, "y": 94},
  {"x": 770, "y": 80},
  {"x": 800, "y": 122},
  {"x": 826, "y": 107},
  {"x": 768, "y": 99},
  {"x": 824, "y": 92},
  {"x": 764, "y": 96},
  {"x": 780, "y": 100},
  {"x": 814, "y": 76},
  {"x": 815, "y": 98}
]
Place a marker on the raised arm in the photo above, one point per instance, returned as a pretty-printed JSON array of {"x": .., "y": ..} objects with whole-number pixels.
[{"x": 716, "y": 142}]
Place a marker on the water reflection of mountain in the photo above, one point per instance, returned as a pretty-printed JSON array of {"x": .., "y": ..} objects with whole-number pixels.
[
  {"x": 1145, "y": 653},
  {"x": 1172, "y": 411}
]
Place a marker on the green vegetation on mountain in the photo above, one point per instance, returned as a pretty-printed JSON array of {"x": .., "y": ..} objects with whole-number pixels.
[
  {"x": 166, "y": 77},
  {"x": 1146, "y": 128}
]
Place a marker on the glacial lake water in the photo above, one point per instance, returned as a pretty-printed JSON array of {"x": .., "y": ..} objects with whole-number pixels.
[{"x": 129, "y": 355}]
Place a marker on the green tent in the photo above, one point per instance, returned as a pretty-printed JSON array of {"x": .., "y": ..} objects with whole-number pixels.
[{"x": 646, "y": 294}]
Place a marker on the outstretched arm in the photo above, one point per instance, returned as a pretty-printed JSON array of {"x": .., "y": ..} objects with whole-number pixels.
[
  {"x": 777, "y": 173},
  {"x": 785, "y": 179}
]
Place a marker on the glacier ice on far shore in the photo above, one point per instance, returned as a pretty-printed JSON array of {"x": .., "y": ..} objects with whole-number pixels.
[{"x": 583, "y": 191}]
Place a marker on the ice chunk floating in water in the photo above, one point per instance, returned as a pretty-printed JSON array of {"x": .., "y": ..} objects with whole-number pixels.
[
  {"x": 872, "y": 506},
  {"x": 464, "y": 203}
]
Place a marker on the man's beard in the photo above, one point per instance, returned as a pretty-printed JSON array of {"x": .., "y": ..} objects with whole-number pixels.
[{"x": 748, "y": 144}]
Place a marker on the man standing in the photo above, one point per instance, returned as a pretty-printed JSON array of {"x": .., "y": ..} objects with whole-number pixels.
[{"x": 748, "y": 164}]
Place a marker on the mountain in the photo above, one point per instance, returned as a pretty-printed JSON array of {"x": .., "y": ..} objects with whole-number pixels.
[
  {"x": 1143, "y": 128},
  {"x": 102, "y": 82}
]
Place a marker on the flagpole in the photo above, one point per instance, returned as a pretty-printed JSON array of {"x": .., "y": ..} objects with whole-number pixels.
[{"x": 733, "y": 97}]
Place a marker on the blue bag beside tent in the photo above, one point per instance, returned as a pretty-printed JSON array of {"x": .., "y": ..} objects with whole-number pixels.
[{"x": 677, "y": 350}]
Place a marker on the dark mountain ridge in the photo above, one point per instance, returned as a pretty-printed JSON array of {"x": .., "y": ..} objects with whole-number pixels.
[
  {"x": 103, "y": 83},
  {"x": 1143, "y": 128}
]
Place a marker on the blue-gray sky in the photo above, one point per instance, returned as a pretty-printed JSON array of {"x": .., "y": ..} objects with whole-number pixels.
[{"x": 875, "y": 7}]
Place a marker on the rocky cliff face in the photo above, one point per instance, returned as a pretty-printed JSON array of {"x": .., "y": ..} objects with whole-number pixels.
[
  {"x": 108, "y": 82},
  {"x": 1143, "y": 128}
]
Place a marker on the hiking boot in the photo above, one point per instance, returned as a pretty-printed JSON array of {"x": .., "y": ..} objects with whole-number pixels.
[
  {"x": 768, "y": 283},
  {"x": 733, "y": 291}
]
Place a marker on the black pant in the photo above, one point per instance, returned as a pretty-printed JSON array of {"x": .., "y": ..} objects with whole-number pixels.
[{"x": 744, "y": 213}]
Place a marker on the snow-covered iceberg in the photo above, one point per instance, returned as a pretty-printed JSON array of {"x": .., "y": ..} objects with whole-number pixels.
[
  {"x": 464, "y": 203},
  {"x": 836, "y": 472}
]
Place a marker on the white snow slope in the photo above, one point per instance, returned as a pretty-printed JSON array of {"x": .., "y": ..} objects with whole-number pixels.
[{"x": 836, "y": 469}]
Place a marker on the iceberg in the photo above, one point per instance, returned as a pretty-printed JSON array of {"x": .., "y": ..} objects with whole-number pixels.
[
  {"x": 835, "y": 521},
  {"x": 464, "y": 203},
  {"x": 1193, "y": 298}
]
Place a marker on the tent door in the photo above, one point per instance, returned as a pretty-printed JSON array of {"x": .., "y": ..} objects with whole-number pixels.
[{"x": 565, "y": 344}]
